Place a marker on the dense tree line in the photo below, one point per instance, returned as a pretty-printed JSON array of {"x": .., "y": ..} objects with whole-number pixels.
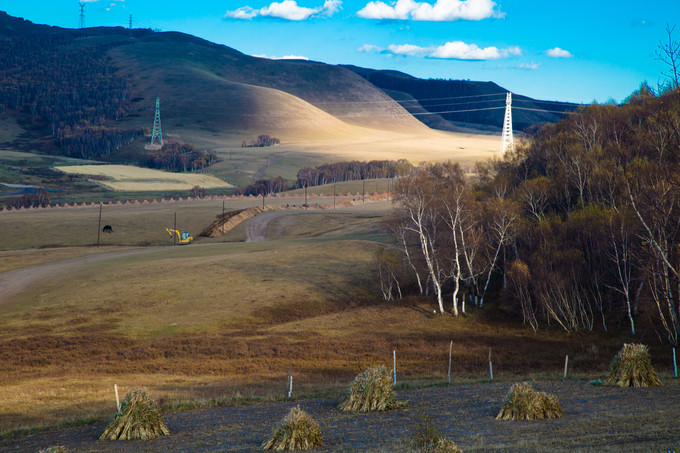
[
  {"x": 261, "y": 142},
  {"x": 266, "y": 186},
  {"x": 67, "y": 80},
  {"x": 39, "y": 199},
  {"x": 579, "y": 227},
  {"x": 352, "y": 171},
  {"x": 180, "y": 157}
]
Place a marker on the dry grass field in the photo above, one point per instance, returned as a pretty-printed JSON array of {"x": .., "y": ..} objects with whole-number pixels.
[
  {"x": 223, "y": 320},
  {"x": 128, "y": 178}
]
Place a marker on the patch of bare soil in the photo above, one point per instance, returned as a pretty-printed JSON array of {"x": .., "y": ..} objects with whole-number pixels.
[{"x": 597, "y": 419}]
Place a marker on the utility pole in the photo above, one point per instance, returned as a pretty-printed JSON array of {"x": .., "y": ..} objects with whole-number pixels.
[
  {"x": 506, "y": 141},
  {"x": 130, "y": 25},
  {"x": 99, "y": 226},
  {"x": 82, "y": 15},
  {"x": 157, "y": 124}
]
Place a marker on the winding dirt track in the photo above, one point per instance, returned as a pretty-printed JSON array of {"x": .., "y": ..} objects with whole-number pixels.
[
  {"x": 256, "y": 228},
  {"x": 15, "y": 281}
]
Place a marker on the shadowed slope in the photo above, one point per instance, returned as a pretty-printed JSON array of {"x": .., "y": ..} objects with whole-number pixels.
[{"x": 218, "y": 88}]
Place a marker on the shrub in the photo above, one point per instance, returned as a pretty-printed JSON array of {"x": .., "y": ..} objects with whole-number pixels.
[
  {"x": 632, "y": 367},
  {"x": 138, "y": 417},
  {"x": 371, "y": 391},
  {"x": 524, "y": 403},
  {"x": 427, "y": 439},
  {"x": 297, "y": 431}
]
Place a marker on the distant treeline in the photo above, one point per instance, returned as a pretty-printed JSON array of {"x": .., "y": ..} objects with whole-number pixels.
[
  {"x": 261, "y": 142},
  {"x": 328, "y": 173},
  {"x": 264, "y": 187},
  {"x": 180, "y": 157},
  {"x": 38, "y": 199},
  {"x": 67, "y": 80},
  {"x": 352, "y": 171}
]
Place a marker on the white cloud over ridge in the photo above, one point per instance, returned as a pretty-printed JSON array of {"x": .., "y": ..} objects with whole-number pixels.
[
  {"x": 286, "y": 9},
  {"x": 454, "y": 50},
  {"x": 285, "y": 57},
  {"x": 558, "y": 53},
  {"x": 441, "y": 10}
]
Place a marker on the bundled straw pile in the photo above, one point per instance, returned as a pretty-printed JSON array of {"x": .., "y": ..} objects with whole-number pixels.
[
  {"x": 139, "y": 417},
  {"x": 371, "y": 391},
  {"x": 632, "y": 367},
  {"x": 445, "y": 445},
  {"x": 524, "y": 403},
  {"x": 297, "y": 431},
  {"x": 426, "y": 438}
]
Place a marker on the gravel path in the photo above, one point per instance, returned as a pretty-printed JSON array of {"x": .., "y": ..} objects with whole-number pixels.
[{"x": 598, "y": 419}]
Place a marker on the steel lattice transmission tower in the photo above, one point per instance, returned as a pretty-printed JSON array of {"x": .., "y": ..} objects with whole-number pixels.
[
  {"x": 507, "y": 143},
  {"x": 82, "y": 14},
  {"x": 157, "y": 124}
]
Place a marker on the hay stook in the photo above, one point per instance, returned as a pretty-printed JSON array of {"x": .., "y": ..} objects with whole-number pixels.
[
  {"x": 297, "y": 431},
  {"x": 522, "y": 402},
  {"x": 632, "y": 367},
  {"x": 138, "y": 417},
  {"x": 371, "y": 390}
]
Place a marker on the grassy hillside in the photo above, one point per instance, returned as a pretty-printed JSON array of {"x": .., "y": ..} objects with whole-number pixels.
[
  {"x": 218, "y": 319},
  {"x": 438, "y": 98}
]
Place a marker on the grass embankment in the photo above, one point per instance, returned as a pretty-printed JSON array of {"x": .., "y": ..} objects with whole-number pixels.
[{"x": 219, "y": 320}]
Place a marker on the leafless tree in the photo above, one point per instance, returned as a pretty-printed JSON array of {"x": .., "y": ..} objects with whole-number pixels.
[{"x": 668, "y": 52}]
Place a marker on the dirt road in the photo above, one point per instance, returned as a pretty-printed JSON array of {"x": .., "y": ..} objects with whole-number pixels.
[
  {"x": 15, "y": 281},
  {"x": 597, "y": 419}
]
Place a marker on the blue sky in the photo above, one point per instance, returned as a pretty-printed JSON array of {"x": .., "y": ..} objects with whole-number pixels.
[{"x": 577, "y": 51}]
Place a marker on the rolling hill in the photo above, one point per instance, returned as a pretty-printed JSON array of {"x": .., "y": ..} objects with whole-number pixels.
[{"x": 90, "y": 93}]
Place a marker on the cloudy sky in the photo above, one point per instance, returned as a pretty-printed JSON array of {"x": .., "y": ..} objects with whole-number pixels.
[{"x": 577, "y": 50}]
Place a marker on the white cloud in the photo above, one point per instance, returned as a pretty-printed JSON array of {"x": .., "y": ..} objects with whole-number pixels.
[
  {"x": 285, "y": 57},
  {"x": 530, "y": 66},
  {"x": 558, "y": 53},
  {"x": 454, "y": 50},
  {"x": 458, "y": 50},
  {"x": 287, "y": 9},
  {"x": 331, "y": 7},
  {"x": 370, "y": 48},
  {"x": 441, "y": 10},
  {"x": 245, "y": 12},
  {"x": 408, "y": 49}
]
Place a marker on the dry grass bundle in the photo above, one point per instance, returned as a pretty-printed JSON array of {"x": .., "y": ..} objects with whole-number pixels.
[
  {"x": 55, "y": 449},
  {"x": 371, "y": 391},
  {"x": 426, "y": 438},
  {"x": 297, "y": 431},
  {"x": 524, "y": 403},
  {"x": 632, "y": 367},
  {"x": 139, "y": 417}
]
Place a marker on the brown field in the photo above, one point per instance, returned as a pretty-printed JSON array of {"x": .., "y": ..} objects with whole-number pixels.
[
  {"x": 128, "y": 178},
  {"x": 224, "y": 319}
]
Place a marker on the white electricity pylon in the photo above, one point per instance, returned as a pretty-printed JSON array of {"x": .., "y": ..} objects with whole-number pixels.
[{"x": 507, "y": 143}]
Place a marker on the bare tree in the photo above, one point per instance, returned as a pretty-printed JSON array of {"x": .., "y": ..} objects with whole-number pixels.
[{"x": 669, "y": 54}]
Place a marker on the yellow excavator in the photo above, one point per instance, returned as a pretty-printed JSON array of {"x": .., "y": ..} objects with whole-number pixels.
[{"x": 182, "y": 236}]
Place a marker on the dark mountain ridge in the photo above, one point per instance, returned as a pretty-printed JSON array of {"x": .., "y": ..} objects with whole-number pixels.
[{"x": 442, "y": 103}]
